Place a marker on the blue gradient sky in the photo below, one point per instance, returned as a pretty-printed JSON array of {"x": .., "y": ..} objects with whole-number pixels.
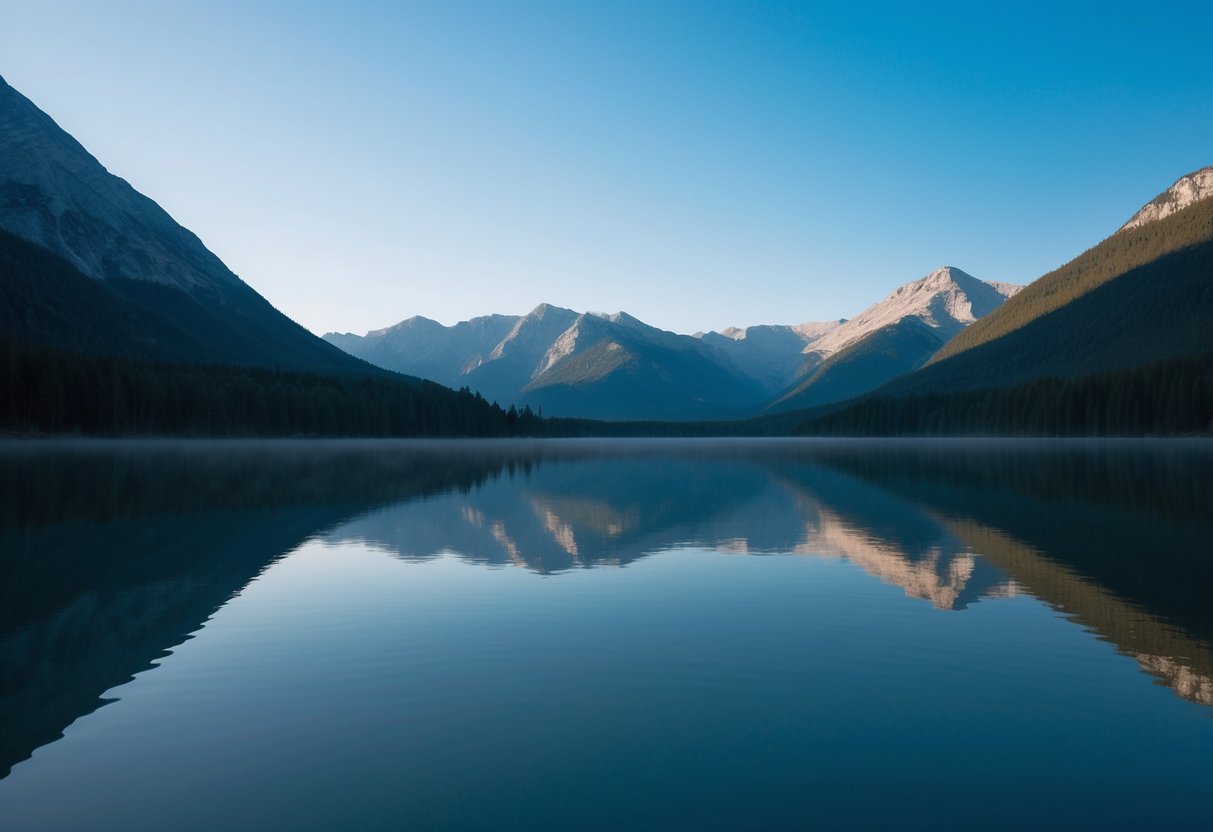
[{"x": 698, "y": 165}]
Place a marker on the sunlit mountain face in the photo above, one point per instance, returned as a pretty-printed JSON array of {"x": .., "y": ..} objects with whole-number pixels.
[{"x": 708, "y": 571}]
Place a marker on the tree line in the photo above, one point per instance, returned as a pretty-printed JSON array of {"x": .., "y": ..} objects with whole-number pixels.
[
  {"x": 1167, "y": 398},
  {"x": 49, "y": 391},
  {"x": 44, "y": 390}
]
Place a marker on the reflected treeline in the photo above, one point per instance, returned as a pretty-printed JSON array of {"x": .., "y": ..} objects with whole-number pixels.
[
  {"x": 1115, "y": 534},
  {"x": 113, "y": 554}
]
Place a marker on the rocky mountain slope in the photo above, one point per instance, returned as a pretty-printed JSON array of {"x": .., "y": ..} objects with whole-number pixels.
[
  {"x": 617, "y": 367},
  {"x": 1187, "y": 190},
  {"x": 771, "y": 354},
  {"x": 893, "y": 337},
  {"x": 567, "y": 363},
  {"x": 947, "y": 300},
  {"x": 156, "y": 291}
]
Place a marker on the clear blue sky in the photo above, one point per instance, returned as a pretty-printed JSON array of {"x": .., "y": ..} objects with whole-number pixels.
[{"x": 696, "y": 164}]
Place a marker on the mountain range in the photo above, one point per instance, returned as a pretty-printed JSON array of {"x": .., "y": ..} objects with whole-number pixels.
[
  {"x": 1138, "y": 300},
  {"x": 568, "y": 364},
  {"x": 1116, "y": 340},
  {"x": 594, "y": 365},
  {"x": 98, "y": 282}
]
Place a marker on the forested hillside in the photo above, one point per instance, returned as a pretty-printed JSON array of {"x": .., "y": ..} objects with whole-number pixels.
[
  {"x": 1116, "y": 256},
  {"x": 1157, "y": 311},
  {"x": 1167, "y": 398},
  {"x": 54, "y": 391}
]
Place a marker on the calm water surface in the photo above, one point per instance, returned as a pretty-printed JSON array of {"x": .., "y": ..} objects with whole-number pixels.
[{"x": 605, "y": 635}]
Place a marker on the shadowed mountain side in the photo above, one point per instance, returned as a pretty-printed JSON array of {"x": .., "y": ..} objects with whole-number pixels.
[
  {"x": 45, "y": 301},
  {"x": 865, "y": 365},
  {"x": 57, "y": 196},
  {"x": 54, "y": 193},
  {"x": 616, "y": 379},
  {"x": 115, "y": 320},
  {"x": 1145, "y": 256},
  {"x": 1151, "y": 313},
  {"x": 427, "y": 349}
]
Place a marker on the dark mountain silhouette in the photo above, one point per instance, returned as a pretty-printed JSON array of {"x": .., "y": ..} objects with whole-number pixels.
[{"x": 150, "y": 274}]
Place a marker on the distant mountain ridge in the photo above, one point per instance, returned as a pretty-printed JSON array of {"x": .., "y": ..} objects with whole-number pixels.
[
  {"x": 772, "y": 354},
  {"x": 617, "y": 367},
  {"x": 614, "y": 366},
  {"x": 587, "y": 365}
]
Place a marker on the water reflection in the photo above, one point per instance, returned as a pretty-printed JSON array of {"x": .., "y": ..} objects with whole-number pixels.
[
  {"x": 612, "y": 510},
  {"x": 112, "y": 555}
]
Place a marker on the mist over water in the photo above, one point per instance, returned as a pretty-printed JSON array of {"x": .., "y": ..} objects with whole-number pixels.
[{"x": 594, "y": 634}]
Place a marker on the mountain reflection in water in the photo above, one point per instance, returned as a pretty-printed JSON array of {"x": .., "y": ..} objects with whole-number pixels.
[{"x": 112, "y": 554}]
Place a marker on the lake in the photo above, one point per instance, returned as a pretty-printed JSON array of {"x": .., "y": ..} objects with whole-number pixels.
[{"x": 699, "y": 634}]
